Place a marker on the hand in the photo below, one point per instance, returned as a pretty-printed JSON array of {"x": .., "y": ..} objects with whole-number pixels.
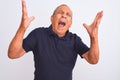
[
  {"x": 93, "y": 28},
  {"x": 25, "y": 22}
]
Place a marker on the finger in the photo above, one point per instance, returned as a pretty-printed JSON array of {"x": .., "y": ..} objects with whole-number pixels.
[
  {"x": 24, "y": 8},
  {"x": 31, "y": 19},
  {"x": 98, "y": 16},
  {"x": 85, "y": 25}
]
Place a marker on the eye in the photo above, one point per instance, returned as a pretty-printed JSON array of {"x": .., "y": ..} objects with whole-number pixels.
[
  {"x": 68, "y": 14},
  {"x": 60, "y": 12}
]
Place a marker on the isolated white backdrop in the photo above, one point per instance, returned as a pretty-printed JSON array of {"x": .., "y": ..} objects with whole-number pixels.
[{"x": 108, "y": 67}]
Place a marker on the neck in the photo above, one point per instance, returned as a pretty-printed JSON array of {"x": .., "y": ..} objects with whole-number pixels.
[{"x": 60, "y": 35}]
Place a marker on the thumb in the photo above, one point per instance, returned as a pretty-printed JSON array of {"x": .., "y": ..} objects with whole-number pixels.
[
  {"x": 85, "y": 25},
  {"x": 31, "y": 19}
]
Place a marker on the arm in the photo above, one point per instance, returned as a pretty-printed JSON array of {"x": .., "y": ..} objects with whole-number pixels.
[
  {"x": 92, "y": 56},
  {"x": 15, "y": 48}
]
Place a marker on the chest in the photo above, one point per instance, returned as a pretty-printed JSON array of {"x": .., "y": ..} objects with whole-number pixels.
[{"x": 55, "y": 50}]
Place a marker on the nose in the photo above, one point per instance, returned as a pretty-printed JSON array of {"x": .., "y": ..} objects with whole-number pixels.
[{"x": 64, "y": 15}]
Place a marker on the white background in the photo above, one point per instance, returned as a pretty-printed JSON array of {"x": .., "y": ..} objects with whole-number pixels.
[{"x": 108, "y": 67}]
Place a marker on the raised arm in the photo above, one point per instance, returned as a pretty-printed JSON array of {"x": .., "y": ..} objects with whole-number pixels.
[
  {"x": 15, "y": 48},
  {"x": 92, "y": 56}
]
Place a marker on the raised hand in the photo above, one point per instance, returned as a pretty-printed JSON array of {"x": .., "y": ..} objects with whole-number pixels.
[
  {"x": 92, "y": 56},
  {"x": 93, "y": 28},
  {"x": 25, "y": 22},
  {"x": 15, "y": 48}
]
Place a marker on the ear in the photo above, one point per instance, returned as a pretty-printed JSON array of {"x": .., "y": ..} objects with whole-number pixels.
[{"x": 51, "y": 19}]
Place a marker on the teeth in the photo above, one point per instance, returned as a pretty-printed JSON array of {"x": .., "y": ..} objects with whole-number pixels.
[{"x": 62, "y": 23}]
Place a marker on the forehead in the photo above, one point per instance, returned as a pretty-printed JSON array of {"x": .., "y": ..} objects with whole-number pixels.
[{"x": 63, "y": 8}]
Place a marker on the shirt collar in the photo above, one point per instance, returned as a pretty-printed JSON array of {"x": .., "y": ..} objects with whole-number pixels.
[{"x": 51, "y": 33}]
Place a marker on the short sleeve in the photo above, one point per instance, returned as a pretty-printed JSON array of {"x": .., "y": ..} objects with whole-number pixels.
[
  {"x": 30, "y": 41},
  {"x": 80, "y": 47}
]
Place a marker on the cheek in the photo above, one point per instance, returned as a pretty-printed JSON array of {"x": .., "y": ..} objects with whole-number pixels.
[
  {"x": 54, "y": 18},
  {"x": 70, "y": 20}
]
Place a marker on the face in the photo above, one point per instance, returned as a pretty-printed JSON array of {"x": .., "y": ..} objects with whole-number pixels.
[{"x": 61, "y": 20}]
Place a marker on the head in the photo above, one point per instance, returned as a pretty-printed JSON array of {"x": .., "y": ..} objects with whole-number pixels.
[{"x": 61, "y": 20}]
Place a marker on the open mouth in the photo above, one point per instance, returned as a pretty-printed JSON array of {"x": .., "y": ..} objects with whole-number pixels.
[{"x": 61, "y": 23}]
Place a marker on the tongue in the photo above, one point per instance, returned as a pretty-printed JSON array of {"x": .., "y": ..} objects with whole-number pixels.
[{"x": 61, "y": 25}]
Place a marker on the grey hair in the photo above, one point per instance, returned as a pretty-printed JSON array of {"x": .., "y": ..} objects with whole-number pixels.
[{"x": 58, "y": 7}]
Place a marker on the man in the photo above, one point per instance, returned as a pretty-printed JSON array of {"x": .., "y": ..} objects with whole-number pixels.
[{"x": 55, "y": 49}]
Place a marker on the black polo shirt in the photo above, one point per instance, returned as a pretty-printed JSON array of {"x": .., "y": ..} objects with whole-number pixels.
[{"x": 54, "y": 57}]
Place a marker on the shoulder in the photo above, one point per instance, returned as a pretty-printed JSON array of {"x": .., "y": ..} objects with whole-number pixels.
[
  {"x": 39, "y": 30},
  {"x": 75, "y": 36}
]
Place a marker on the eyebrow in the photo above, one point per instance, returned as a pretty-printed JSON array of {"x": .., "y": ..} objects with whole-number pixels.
[{"x": 68, "y": 13}]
